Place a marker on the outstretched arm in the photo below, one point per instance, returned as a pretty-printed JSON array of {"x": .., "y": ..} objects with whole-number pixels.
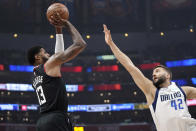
[
  {"x": 72, "y": 51},
  {"x": 78, "y": 45},
  {"x": 141, "y": 81},
  {"x": 190, "y": 92},
  {"x": 52, "y": 66}
]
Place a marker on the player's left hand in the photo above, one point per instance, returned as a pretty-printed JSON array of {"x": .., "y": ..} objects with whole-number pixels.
[{"x": 108, "y": 37}]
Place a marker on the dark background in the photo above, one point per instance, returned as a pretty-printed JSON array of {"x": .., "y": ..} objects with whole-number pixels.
[{"x": 142, "y": 20}]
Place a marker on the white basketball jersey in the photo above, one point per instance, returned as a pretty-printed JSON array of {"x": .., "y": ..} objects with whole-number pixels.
[{"x": 169, "y": 110}]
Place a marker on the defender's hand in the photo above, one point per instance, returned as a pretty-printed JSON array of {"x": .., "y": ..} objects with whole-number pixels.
[{"x": 108, "y": 37}]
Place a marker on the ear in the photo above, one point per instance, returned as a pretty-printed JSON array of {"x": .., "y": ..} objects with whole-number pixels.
[{"x": 168, "y": 76}]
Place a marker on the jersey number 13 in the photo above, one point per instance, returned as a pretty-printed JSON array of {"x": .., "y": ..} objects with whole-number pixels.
[{"x": 40, "y": 95}]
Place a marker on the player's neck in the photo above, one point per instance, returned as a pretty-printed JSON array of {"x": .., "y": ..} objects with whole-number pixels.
[{"x": 165, "y": 84}]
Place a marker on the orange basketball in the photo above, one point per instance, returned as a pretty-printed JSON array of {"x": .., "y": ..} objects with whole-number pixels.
[{"x": 59, "y": 8}]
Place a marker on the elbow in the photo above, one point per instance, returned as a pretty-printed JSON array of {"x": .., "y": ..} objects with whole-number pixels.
[{"x": 81, "y": 44}]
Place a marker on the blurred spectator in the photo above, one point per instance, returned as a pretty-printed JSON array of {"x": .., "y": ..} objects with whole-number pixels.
[
  {"x": 120, "y": 10},
  {"x": 8, "y": 8},
  {"x": 100, "y": 10},
  {"x": 26, "y": 6},
  {"x": 82, "y": 11},
  {"x": 171, "y": 4}
]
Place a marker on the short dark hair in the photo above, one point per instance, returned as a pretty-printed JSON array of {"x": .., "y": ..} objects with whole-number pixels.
[
  {"x": 31, "y": 54},
  {"x": 165, "y": 68}
]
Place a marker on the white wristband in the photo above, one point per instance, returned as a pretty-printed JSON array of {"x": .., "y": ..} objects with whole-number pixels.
[{"x": 59, "y": 47}]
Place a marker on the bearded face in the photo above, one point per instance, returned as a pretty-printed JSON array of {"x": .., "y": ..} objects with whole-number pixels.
[
  {"x": 159, "y": 76},
  {"x": 42, "y": 57},
  {"x": 158, "y": 81},
  {"x": 45, "y": 58}
]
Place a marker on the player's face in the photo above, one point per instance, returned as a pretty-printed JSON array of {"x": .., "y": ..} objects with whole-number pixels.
[
  {"x": 159, "y": 76},
  {"x": 44, "y": 55}
]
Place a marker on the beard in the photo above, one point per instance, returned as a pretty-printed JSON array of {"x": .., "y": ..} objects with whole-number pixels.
[
  {"x": 160, "y": 81},
  {"x": 44, "y": 59}
]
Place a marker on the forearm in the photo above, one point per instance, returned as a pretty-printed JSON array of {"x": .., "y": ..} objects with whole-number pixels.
[
  {"x": 59, "y": 46},
  {"x": 76, "y": 37},
  {"x": 72, "y": 51},
  {"x": 121, "y": 57},
  {"x": 141, "y": 81}
]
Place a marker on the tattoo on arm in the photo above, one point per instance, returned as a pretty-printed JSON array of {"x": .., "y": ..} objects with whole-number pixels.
[{"x": 70, "y": 52}]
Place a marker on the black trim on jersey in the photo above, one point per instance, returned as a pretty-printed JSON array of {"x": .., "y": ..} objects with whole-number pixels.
[
  {"x": 182, "y": 92},
  {"x": 154, "y": 104}
]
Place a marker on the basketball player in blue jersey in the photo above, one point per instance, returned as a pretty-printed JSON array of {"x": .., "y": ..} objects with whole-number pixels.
[
  {"x": 47, "y": 81},
  {"x": 167, "y": 101}
]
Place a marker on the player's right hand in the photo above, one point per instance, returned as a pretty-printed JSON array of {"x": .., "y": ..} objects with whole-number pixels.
[{"x": 57, "y": 21}]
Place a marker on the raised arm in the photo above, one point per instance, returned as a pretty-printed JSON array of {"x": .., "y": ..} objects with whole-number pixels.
[
  {"x": 141, "y": 81},
  {"x": 72, "y": 51},
  {"x": 52, "y": 66},
  {"x": 190, "y": 92}
]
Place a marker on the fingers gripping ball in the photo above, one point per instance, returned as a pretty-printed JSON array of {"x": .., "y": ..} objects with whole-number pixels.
[{"x": 58, "y": 8}]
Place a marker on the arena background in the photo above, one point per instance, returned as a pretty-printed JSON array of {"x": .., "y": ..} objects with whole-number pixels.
[{"x": 102, "y": 95}]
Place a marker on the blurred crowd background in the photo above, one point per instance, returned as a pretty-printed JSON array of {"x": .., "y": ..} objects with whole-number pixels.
[{"x": 102, "y": 95}]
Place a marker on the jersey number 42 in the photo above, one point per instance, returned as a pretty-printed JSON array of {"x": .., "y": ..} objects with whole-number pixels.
[{"x": 177, "y": 104}]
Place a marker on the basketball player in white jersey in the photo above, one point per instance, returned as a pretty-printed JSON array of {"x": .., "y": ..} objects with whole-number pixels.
[{"x": 167, "y": 101}]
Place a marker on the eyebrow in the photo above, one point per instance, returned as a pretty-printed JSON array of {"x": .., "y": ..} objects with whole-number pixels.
[{"x": 158, "y": 68}]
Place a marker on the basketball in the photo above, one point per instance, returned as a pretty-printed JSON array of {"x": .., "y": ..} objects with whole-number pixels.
[{"x": 58, "y": 8}]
